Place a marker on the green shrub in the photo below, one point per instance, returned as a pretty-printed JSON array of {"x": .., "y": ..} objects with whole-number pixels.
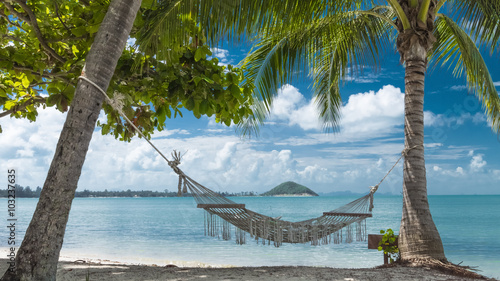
[{"x": 387, "y": 244}]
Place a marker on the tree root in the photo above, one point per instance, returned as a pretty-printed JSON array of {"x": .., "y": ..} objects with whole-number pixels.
[{"x": 443, "y": 266}]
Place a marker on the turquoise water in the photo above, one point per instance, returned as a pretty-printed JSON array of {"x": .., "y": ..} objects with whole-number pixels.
[{"x": 164, "y": 230}]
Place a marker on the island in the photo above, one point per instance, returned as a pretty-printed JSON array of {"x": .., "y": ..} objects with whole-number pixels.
[{"x": 290, "y": 188}]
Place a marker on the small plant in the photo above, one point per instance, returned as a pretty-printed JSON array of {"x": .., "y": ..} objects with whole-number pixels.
[{"x": 388, "y": 245}]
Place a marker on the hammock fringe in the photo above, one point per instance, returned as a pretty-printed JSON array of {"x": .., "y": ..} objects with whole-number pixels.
[{"x": 279, "y": 232}]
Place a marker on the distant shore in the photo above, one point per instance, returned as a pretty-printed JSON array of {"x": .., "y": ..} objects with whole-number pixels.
[
  {"x": 109, "y": 270},
  {"x": 293, "y": 195}
]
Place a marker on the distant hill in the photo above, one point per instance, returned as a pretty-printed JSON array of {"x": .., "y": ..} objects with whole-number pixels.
[{"x": 290, "y": 188}]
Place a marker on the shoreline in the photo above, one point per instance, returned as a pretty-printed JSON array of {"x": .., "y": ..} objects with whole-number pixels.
[{"x": 80, "y": 269}]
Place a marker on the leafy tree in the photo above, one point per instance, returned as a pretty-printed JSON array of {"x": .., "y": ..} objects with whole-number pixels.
[
  {"x": 40, "y": 64},
  {"x": 344, "y": 36},
  {"x": 46, "y": 45}
]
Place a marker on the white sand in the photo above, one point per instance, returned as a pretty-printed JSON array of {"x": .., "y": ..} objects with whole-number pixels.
[{"x": 109, "y": 270}]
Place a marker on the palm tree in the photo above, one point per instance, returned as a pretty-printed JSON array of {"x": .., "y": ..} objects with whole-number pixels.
[{"x": 339, "y": 40}]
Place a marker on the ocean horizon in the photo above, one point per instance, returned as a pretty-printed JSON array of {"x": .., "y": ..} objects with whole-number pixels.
[{"x": 170, "y": 230}]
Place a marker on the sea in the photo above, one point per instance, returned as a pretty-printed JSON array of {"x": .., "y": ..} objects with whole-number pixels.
[{"x": 171, "y": 231}]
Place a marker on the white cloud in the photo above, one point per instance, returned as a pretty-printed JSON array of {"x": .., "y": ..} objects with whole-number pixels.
[
  {"x": 364, "y": 116},
  {"x": 458, "y": 88},
  {"x": 373, "y": 113},
  {"x": 433, "y": 145},
  {"x": 131, "y": 42},
  {"x": 452, "y": 120},
  {"x": 290, "y": 106},
  {"x": 477, "y": 162},
  {"x": 223, "y": 56}
]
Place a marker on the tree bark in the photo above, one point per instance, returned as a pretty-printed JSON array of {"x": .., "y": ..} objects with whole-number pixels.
[
  {"x": 418, "y": 236},
  {"x": 38, "y": 255}
]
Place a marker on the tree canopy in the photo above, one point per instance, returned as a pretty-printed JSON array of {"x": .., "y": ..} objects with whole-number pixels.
[{"x": 44, "y": 46}]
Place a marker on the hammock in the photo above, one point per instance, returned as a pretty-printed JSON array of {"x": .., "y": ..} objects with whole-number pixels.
[
  {"x": 338, "y": 225},
  {"x": 344, "y": 224}
]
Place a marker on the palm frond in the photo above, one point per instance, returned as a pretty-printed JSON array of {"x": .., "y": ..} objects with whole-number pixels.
[
  {"x": 358, "y": 44},
  {"x": 482, "y": 17},
  {"x": 330, "y": 47},
  {"x": 454, "y": 47},
  {"x": 251, "y": 125},
  {"x": 166, "y": 25}
]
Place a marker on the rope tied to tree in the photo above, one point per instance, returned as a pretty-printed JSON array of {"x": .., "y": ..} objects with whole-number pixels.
[
  {"x": 181, "y": 188},
  {"x": 374, "y": 188}
]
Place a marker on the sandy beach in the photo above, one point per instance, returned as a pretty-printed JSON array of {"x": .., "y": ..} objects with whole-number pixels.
[{"x": 109, "y": 270}]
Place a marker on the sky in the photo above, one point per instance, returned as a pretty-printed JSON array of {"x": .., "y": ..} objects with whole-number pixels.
[{"x": 462, "y": 152}]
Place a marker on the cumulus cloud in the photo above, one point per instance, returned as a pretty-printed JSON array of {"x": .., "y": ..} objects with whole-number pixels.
[
  {"x": 373, "y": 112},
  {"x": 477, "y": 162},
  {"x": 364, "y": 116},
  {"x": 291, "y": 107}
]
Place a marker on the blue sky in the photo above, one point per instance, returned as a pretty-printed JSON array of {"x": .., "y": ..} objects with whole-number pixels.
[{"x": 462, "y": 152}]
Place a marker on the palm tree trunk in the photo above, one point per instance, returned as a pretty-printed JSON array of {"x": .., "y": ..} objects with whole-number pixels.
[
  {"x": 418, "y": 237},
  {"x": 38, "y": 255}
]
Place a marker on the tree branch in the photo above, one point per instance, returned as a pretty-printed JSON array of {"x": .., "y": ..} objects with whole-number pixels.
[
  {"x": 56, "y": 5},
  {"x": 61, "y": 75},
  {"x": 66, "y": 39},
  {"x": 23, "y": 106},
  {"x": 10, "y": 22},
  {"x": 38, "y": 33},
  {"x": 13, "y": 38},
  {"x": 16, "y": 13}
]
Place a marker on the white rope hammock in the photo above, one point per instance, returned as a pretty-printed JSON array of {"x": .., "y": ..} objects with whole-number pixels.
[{"x": 344, "y": 224}]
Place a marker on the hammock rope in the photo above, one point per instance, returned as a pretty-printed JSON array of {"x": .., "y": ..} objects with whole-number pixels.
[{"x": 344, "y": 224}]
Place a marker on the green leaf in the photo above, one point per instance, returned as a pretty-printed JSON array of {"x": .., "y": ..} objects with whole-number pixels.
[
  {"x": 196, "y": 80},
  {"x": 53, "y": 100},
  {"x": 168, "y": 112},
  {"x": 235, "y": 90},
  {"x": 75, "y": 51},
  {"x": 216, "y": 78},
  {"x": 9, "y": 104},
  {"x": 190, "y": 104},
  {"x": 198, "y": 54},
  {"x": 93, "y": 28},
  {"x": 25, "y": 81},
  {"x": 203, "y": 106},
  {"x": 79, "y": 31},
  {"x": 105, "y": 129},
  {"x": 162, "y": 117}
]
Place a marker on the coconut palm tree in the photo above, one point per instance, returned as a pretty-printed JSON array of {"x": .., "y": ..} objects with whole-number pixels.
[{"x": 337, "y": 42}]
